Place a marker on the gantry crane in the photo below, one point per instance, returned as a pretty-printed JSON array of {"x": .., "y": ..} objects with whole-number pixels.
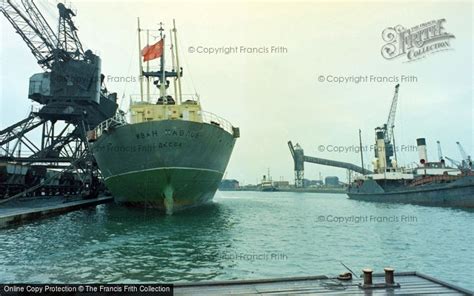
[{"x": 70, "y": 91}]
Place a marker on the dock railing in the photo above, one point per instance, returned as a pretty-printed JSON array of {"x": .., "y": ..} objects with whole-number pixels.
[
  {"x": 207, "y": 117},
  {"x": 137, "y": 98}
]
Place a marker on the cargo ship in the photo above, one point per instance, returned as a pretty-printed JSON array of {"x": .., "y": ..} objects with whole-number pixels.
[
  {"x": 172, "y": 155},
  {"x": 429, "y": 183}
]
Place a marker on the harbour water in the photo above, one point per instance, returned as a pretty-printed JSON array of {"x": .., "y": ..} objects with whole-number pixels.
[{"x": 242, "y": 235}]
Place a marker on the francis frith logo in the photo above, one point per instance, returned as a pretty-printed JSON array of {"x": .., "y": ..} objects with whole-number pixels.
[{"x": 416, "y": 42}]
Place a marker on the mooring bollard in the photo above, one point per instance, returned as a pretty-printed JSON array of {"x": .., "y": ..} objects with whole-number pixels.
[
  {"x": 389, "y": 277},
  {"x": 367, "y": 276}
]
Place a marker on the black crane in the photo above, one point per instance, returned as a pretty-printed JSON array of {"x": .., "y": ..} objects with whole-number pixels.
[{"x": 70, "y": 91}]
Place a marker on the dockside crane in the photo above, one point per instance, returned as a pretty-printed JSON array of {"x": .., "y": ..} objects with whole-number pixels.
[
  {"x": 69, "y": 90},
  {"x": 384, "y": 136},
  {"x": 466, "y": 159},
  {"x": 454, "y": 162},
  {"x": 390, "y": 125},
  {"x": 30, "y": 24},
  {"x": 440, "y": 154},
  {"x": 383, "y": 152}
]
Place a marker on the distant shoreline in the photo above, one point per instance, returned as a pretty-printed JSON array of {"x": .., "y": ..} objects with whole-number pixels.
[{"x": 302, "y": 190}]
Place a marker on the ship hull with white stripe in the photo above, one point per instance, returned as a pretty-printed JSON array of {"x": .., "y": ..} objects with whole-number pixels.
[{"x": 168, "y": 164}]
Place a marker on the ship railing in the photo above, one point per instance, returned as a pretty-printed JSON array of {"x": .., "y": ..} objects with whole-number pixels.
[
  {"x": 117, "y": 120},
  {"x": 211, "y": 118},
  {"x": 137, "y": 98},
  {"x": 207, "y": 117}
]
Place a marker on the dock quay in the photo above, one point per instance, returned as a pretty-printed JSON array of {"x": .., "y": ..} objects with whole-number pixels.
[
  {"x": 405, "y": 283},
  {"x": 21, "y": 210}
]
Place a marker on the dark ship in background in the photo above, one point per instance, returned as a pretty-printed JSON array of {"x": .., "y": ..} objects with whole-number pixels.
[
  {"x": 430, "y": 183},
  {"x": 72, "y": 102}
]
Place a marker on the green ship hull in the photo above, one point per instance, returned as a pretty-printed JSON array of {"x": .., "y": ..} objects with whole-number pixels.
[{"x": 168, "y": 164}]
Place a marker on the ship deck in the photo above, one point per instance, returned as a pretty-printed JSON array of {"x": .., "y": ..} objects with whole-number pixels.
[{"x": 411, "y": 283}]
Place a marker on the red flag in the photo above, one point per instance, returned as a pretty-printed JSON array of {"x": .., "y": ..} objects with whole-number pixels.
[{"x": 152, "y": 52}]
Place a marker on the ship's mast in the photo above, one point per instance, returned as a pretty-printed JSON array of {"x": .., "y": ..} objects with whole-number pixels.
[
  {"x": 148, "y": 68},
  {"x": 162, "y": 83},
  {"x": 173, "y": 57},
  {"x": 162, "y": 67},
  {"x": 361, "y": 152},
  {"x": 178, "y": 69},
  {"x": 140, "y": 75}
]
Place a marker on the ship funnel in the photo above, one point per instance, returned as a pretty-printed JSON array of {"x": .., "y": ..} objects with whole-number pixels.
[
  {"x": 421, "y": 143},
  {"x": 380, "y": 152}
]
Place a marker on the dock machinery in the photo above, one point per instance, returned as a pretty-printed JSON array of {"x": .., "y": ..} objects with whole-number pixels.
[{"x": 72, "y": 101}]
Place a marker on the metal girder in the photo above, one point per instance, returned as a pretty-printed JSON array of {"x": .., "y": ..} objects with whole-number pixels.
[
  {"x": 339, "y": 164},
  {"x": 20, "y": 128},
  {"x": 39, "y": 42},
  {"x": 67, "y": 33},
  {"x": 64, "y": 146},
  {"x": 301, "y": 159},
  {"x": 37, "y": 18},
  {"x": 61, "y": 55},
  {"x": 462, "y": 152},
  {"x": 33, "y": 28},
  {"x": 391, "y": 116}
]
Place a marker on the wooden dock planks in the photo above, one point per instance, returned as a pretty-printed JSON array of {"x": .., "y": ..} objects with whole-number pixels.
[{"x": 411, "y": 283}]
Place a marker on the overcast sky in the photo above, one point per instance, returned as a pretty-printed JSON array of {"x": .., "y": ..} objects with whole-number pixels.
[{"x": 276, "y": 97}]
